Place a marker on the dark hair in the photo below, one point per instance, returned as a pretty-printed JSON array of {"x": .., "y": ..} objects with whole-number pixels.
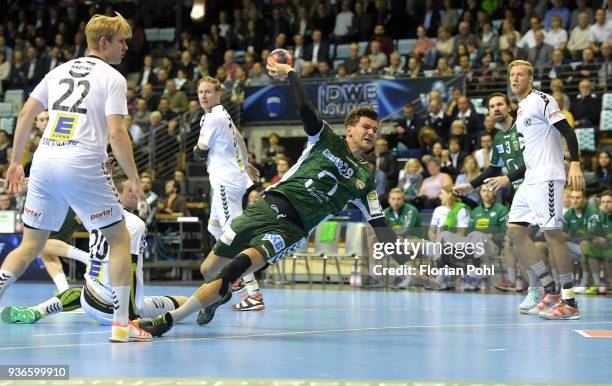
[
  {"x": 598, "y": 170},
  {"x": 498, "y": 94},
  {"x": 353, "y": 116},
  {"x": 177, "y": 186},
  {"x": 607, "y": 192}
]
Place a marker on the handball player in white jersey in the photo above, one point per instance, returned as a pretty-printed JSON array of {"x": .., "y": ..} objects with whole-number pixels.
[
  {"x": 224, "y": 151},
  {"x": 539, "y": 199},
  {"x": 86, "y": 99}
]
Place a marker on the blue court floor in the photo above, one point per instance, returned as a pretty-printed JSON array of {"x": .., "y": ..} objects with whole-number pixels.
[{"x": 333, "y": 335}]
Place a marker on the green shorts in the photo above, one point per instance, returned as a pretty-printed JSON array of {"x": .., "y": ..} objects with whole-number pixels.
[
  {"x": 259, "y": 228},
  {"x": 602, "y": 253},
  {"x": 71, "y": 224}
]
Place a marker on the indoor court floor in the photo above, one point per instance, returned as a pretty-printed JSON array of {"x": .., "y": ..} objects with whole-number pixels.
[{"x": 328, "y": 334}]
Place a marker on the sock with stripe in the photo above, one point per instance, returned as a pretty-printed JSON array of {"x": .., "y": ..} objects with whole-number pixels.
[
  {"x": 543, "y": 274},
  {"x": 121, "y": 304},
  {"x": 51, "y": 306},
  {"x": 6, "y": 279},
  {"x": 567, "y": 289}
]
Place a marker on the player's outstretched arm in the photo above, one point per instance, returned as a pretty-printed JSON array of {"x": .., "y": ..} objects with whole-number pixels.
[
  {"x": 15, "y": 174},
  {"x": 308, "y": 113},
  {"x": 575, "y": 178}
]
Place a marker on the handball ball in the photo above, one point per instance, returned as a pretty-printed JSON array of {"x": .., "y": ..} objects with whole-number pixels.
[{"x": 280, "y": 55}]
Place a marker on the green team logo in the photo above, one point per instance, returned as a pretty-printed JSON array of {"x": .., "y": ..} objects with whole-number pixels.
[{"x": 515, "y": 146}]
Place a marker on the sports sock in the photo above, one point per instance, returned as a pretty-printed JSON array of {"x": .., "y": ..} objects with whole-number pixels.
[
  {"x": 533, "y": 279},
  {"x": 60, "y": 282},
  {"x": 584, "y": 280},
  {"x": 541, "y": 271},
  {"x": 51, "y": 306},
  {"x": 596, "y": 279},
  {"x": 567, "y": 289},
  {"x": 6, "y": 279},
  {"x": 511, "y": 274},
  {"x": 251, "y": 285},
  {"x": 121, "y": 304},
  {"x": 191, "y": 306},
  {"x": 555, "y": 275},
  {"x": 78, "y": 255}
]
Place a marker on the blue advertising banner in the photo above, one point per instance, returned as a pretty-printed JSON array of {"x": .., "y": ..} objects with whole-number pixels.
[
  {"x": 36, "y": 270},
  {"x": 275, "y": 104}
]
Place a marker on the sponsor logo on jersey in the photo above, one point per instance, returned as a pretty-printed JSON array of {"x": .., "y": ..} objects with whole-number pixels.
[
  {"x": 515, "y": 145},
  {"x": 527, "y": 121},
  {"x": 32, "y": 213},
  {"x": 360, "y": 184},
  {"x": 278, "y": 243},
  {"x": 554, "y": 114},
  {"x": 102, "y": 214},
  {"x": 373, "y": 203},
  {"x": 63, "y": 129},
  {"x": 54, "y": 143},
  {"x": 343, "y": 168},
  {"x": 499, "y": 148}
]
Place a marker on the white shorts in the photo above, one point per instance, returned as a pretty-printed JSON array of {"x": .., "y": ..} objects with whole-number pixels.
[
  {"x": 540, "y": 204},
  {"x": 56, "y": 184},
  {"x": 152, "y": 306},
  {"x": 226, "y": 205}
]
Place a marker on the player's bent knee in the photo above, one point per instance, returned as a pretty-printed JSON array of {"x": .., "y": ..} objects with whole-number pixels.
[{"x": 233, "y": 271}]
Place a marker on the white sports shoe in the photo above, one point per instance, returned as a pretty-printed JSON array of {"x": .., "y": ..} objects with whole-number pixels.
[
  {"x": 534, "y": 296},
  {"x": 129, "y": 333}
]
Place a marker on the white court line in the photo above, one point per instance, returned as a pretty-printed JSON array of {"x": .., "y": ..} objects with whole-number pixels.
[
  {"x": 497, "y": 349},
  {"x": 581, "y": 332},
  {"x": 72, "y": 333},
  {"x": 312, "y": 332}
]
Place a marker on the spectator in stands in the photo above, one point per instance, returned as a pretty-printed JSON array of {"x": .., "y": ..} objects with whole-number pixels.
[
  {"x": 505, "y": 58},
  {"x": 605, "y": 71},
  {"x": 469, "y": 171},
  {"x": 147, "y": 186},
  {"x": 229, "y": 64},
  {"x": 517, "y": 51},
  {"x": 556, "y": 85},
  {"x": 382, "y": 185},
  {"x": 586, "y": 106},
  {"x": 456, "y": 155},
  {"x": 179, "y": 178},
  {"x": 318, "y": 50},
  {"x": 324, "y": 70},
  {"x": 151, "y": 99},
  {"x": 361, "y": 28},
  {"x": 5, "y": 70},
  {"x": 406, "y": 129},
  {"x": 5, "y": 147},
  {"x": 186, "y": 64},
  {"x": 282, "y": 166},
  {"x": 443, "y": 68},
  {"x": 579, "y": 38},
  {"x": 177, "y": 100},
  {"x": 558, "y": 10},
  {"x": 468, "y": 115},
  {"x": 18, "y": 76},
  {"x": 136, "y": 132},
  {"x": 394, "y": 69},
  {"x": 40, "y": 122},
  {"x": 141, "y": 114},
  {"x": 449, "y": 16},
  {"x": 483, "y": 155},
  {"x": 603, "y": 170},
  {"x": 508, "y": 29},
  {"x": 529, "y": 38},
  {"x": 365, "y": 68},
  {"x": 581, "y": 7},
  {"x": 386, "y": 43},
  {"x": 344, "y": 22},
  {"x": 386, "y": 161},
  {"x": 6, "y": 202},
  {"x": 342, "y": 74},
  {"x": 600, "y": 31},
  {"x": 588, "y": 67},
  {"x": 465, "y": 36},
  {"x": 437, "y": 118},
  {"x": 432, "y": 185},
  {"x": 556, "y": 36},
  {"x": 174, "y": 203},
  {"x": 352, "y": 63},
  {"x": 414, "y": 67},
  {"x": 540, "y": 55},
  {"x": 4, "y": 47},
  {"x": 238, "y": 87},
  {"x": 431, "y": 18},
  {"x": 258, "y": 166},
  {"x": 298, "y": 47},
  {"x": 411, "y": 178},
  {"x": 155, "y": 122},
  {"x": 190, "y": 120},
  {"x": 488, "y": 39},
  {"x": 458, "y": 130},
  {"x": 271, "y": 149},
  {"x": 558, "y": 67},
  {"x": 322, "y": 20},
  {"x": 423, "y": 43},
  {"x": 280, "y": 41},
  {"x": 258, "y": 76},
  {"x": 445, "y": 46},
  {"x": 252, "y": 40},
  {"x": 378, "y": 60},
  {"x": 52, "y": 60},
  {"x": 568, "y": 116}
]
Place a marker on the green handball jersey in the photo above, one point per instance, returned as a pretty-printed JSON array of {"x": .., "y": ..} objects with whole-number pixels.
[
  {"x": 578, "y": 226},
  {"x": 489, "y": 220},
  {"x": 507, "y": 152},
  {"x": 406, "y": 221},
  {"x": 325, "y": 178}
]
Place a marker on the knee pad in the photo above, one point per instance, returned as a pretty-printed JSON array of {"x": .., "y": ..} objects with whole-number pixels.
[{"x": 233, "y": 271}]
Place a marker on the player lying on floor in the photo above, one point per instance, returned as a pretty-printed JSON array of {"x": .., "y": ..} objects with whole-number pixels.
[{"x": 95, "y": 297}]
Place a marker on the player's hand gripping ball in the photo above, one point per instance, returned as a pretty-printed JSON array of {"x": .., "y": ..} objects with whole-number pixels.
[{"x": 282, "y": 56}]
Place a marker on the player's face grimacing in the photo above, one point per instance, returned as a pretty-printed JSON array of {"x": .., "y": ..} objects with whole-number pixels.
[
  {"x": 520, "y": 80},
  {"x": 208, "y": 96},
  {"x": 115, "y": 48},
  {"x": 498, "y": 109},
  {"x": 363, "y": 134}
]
